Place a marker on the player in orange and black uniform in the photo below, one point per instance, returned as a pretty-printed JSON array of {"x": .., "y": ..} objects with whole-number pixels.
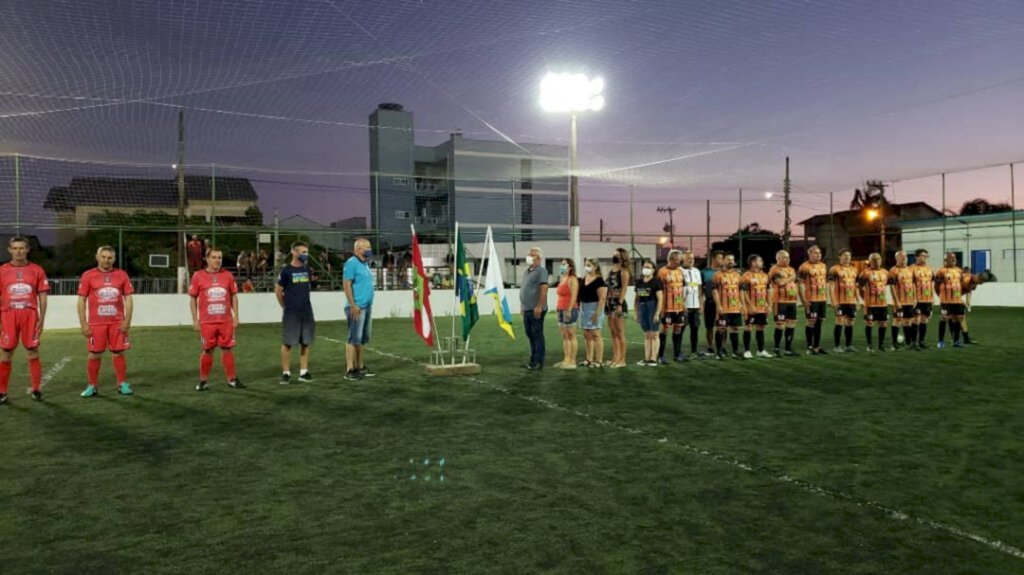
[
  {"x": 924, "y": 289},
  {"x": 949, "y": 284},
  {"x": 874, "y": 283},
  {"x": 726, "y": 284},
  {"x": 673, "y": 317},
  {"x": 904, "y": 298},
  {"x": 754, "y": 293},
  {"x": 813, "y": 288},
  {"x": 842, "y": 288},
  {"x": 971, "y": 283},
  {"x": 784, "y": 297}
]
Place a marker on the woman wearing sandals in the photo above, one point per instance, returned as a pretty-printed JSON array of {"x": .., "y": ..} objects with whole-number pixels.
[
  {"x": 593, "y": 293},
  {"x": 568, "y": 312},
  {"x": 616, "y": 307},
  {"x": 649, "y": 299}
]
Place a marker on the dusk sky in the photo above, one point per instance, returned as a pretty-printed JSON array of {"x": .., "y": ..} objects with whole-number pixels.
[{"x": 703, "y": 98}]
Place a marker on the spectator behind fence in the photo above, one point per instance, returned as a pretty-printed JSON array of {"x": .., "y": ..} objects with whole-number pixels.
[{"x": 195, "y": 252}]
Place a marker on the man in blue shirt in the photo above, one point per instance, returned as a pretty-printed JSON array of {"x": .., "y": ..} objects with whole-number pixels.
[
  {"x": 710, "y": 315},
  {"x": 358, "y": 282},
  {"x": 297, "y": 324}
]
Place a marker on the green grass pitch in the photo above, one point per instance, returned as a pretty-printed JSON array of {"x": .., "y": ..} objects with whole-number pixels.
[{"x": 890, "y": 463}]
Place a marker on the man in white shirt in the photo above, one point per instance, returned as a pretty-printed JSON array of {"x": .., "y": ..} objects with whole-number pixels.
[{"x": 692, "y": 296}]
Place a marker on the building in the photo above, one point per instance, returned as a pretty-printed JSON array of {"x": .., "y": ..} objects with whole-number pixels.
[
  {"x": 520, "y": 189},
  {"x": 853, "y": 229},
  {"x": 983, "y": 242},
  {"x": 357, "y": 223},
  {"x": 318, "y": 234},
  {"x": 87, "y": 200}
]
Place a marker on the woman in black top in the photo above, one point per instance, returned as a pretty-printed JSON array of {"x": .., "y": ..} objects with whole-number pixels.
[
  {"x": 649, "y": 300},
  {"x": 592, "y": 297},
  {"x": 616, "y": 307}
]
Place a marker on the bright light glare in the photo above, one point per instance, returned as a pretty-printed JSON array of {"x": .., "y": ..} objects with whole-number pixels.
[
  {"x": 663, "y": 240},
  {"x": 872, "y": 214},
  {"x": 768, "y": 195},
  {"x": 571, "y": 93}
]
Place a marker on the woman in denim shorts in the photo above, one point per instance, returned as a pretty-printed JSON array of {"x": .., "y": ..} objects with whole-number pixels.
[
  {"x": 593, "y": 293},
  {"x": 649, "y": 300},
  {"x": 568, "y": 312}
]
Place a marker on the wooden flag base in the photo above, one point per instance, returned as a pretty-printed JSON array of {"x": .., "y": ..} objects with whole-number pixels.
[
  {"x": 452, "y": 358},
  {"x": 453, "y": 370}
]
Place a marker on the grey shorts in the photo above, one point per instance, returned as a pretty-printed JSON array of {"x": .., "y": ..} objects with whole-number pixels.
[{"x": 297, "y": 329}]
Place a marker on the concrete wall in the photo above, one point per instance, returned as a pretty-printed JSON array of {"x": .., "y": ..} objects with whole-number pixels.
[{"x": 171, "y": 310}]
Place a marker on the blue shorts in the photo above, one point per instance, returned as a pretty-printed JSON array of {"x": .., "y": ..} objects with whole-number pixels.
[
  {"x": 645, "y": 312},
  {"x": 568, "y": 317},
  {"x": 358, "y": 330},
  {"x": 587, "y": 311}
]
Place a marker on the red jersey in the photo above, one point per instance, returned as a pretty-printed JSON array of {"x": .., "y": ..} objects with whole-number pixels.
[
  {"x": 105, "y": 292},
  {"x": 814, "y": 278},
  {"x": 21, "y": 286},
  {"x": 213, "y": 292}
]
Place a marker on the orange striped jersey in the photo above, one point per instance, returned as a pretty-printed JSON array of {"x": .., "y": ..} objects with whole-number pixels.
[
  {"x": 902, "y": 279},
  {"x": 727, "y": 284},
  {"x": 923, "y": 280},
  {"x": 874, "y": 284},
  {"x": 814, "y": 278},
  {"x": 845, "y": 280},
  {"x": 672, "y": 282},
  {"x": 783, "y": 280},
  {"x": 950, "y": 285},
  {"x": 755, "y": 284}
]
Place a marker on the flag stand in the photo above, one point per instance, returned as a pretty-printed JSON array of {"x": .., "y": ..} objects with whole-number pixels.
[{"x": 453, "y": 356}]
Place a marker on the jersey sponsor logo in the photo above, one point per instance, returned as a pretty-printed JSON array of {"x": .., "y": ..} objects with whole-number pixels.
[
  {"x": 19, "y": 289},
  {"x": 216, "y": 292},
  {"x": 216, "y": 309},
  {"x": 106, "y": 310},
  {"x": 107, "y": 294}
]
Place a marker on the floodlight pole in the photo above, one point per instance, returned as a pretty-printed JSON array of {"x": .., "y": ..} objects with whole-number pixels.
[
  {"x": 1013, "y": 222},
  {"x": 181, "y": 201},
  {"x": 574, "y": 192}
]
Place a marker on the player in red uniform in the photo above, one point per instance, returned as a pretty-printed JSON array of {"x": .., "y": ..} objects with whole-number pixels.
[
  {"x": 214, "y": 306},
  {"x": 106, "y": 293},
  {"x": 22, "y": 313}
]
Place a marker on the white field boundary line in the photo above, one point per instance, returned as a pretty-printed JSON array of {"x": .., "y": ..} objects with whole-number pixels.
[
  {"x": 890, "y": 512},
  {"x": 53, "y": 371}
]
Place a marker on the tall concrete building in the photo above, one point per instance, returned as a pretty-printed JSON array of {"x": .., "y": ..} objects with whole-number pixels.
[{"x": 517, "y": 189}]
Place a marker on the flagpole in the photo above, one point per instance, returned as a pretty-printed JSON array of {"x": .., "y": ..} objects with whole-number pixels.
[
  {"x": 437, "y": 344},
  {"x": 480, "y": 274},
  {"x": 455, "y": 284}
]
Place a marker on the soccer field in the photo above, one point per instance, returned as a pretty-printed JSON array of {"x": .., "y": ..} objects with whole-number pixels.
[{"x": 907, "y": 462}]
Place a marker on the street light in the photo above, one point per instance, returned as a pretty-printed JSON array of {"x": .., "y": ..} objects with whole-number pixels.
[{"x": 572, "y": 93}]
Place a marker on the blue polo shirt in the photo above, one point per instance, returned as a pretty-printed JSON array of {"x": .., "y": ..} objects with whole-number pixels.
[{"x": 358, "y": 272}]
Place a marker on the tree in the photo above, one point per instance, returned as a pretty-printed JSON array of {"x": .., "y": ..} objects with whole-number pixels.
[
  {"x": 979, "y": 206},
  {"x": 756, "y": 240},
  {"x": 872, "y": 196}
]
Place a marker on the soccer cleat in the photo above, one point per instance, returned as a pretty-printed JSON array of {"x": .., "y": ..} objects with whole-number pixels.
[
  {"x": 736, "y": 355},
  {"x": 869, "y": 349},
  {"x": 791, "y": 353},
  {"x": 125, "y": 389},
  {"x": 765, "y": 354},
  {"x": 850, "y": 349},
  {"x": 680, "y": 358},
  {"x": 958, "y": 343},
  {"x": 286, "y": 378},
  {"x": 306, "y": 377},
  {"x": 719, "y": 356},
  {"x": 364, "y": 372},
  {"x": 3, "y": 398},
  {"x": 236, "y": 384},
  {"x": 352, "y": 375},
  {"x": 203, "y": 386},
  {"x": 941, "y": 345},
  {"x": 884, "y": 348},
  {"x": 778, "y": 353},
  {"x": 748, "y": 355},
  {"x": 36, "y": 395},
  {"x": 838, "y": 349},
  {"x": 90, "y": 391}
]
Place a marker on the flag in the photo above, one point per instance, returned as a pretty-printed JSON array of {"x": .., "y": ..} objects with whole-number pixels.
[
  {"x": 464, "y": 293},
  {"x": 494, "y": 285},
  {"x": 421, "y": 316}
]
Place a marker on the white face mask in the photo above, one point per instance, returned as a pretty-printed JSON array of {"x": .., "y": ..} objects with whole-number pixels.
[
  {"x": 529, "y": 260},
  {"x": 588, "y": 269},
  {"x": 648, "y": 272}
]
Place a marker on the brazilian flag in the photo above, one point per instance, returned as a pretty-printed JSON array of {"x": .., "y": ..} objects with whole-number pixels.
[{"x": 464, "y": 289}]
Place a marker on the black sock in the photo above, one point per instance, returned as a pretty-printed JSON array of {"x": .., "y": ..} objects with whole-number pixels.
[
  {"x": 922, "y": 330},
  {"x": 734, "y": 339},
  {"x": 760, "y": 340},
  {"x": 790, "y": 334},
  {"x": 954, "y": 328},
  {"x": 809, "y": 336},
  {"x": 895, "y": 335},
  {"x": 746, "y": 340},
  {"x": 817, "y": 334},
  {"x": 837, "y": 332},
  {"x": 693, "y": 339},
  {"x": 848, "y": 335},
  {"x": 677, "y": 343},
  {"x": 881, "y": 336},
  {"x": 868, "y": 334},
  {"x": 942, "y": 330},
  {"x": 661, "y": 344},
  {"x": 908, "y": 334},
  {"x": 778, "y": 338},
  {"x": 719, "y": 341}
]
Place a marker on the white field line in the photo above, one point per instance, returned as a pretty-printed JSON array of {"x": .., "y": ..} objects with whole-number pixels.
[
  {"x": 806, "y": 486},
  {"x": 53, "y": 371}
]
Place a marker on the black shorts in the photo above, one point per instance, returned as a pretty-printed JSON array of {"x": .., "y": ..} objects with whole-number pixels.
[
  {"x": 952, "y": 309},
  {"x": 614, "y": 309},
  {"x": 876, "y": 314},
  {"x": 693, "y": 317},
  {"x": 787, "y": 312},
  {"x": 757, "y": 319},
  {"x": 815, "y": 310},
  {"x": 923, "y": 309},
  {"x": 903, "y": 312},
  {"x": 297, "y": 329},
  {"x": 709, "y": 314},
  {"x": 673, "y": 318},
  {"x": 846, "y": 310},
  {"x": 730, "y": 320}
]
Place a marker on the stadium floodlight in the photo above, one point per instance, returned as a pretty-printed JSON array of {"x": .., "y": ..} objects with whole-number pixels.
[{"x": 572, "y": 93}]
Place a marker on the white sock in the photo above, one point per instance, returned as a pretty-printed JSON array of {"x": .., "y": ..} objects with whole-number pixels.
[
  {"x": 303, "y": 371},
  {"x": 288, "y": 373}
]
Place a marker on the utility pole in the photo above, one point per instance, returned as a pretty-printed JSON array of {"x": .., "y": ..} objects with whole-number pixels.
[
  {"x": 180, "y": 167},
  {"x": 671, "y": 224},
  {"x": 707, "y": 236},
  {"x": 786, "y": 204},
  {"x": 600, "y": 231},
  {"x": 739, "y": 230},
  {"x": 831, "y": 228}
]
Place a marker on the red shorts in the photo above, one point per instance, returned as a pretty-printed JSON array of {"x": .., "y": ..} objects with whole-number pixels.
[
  {"x": 108, "y": 336},
  {"x": 220, "y": 335},
  {"x": 19, "y": 324}
]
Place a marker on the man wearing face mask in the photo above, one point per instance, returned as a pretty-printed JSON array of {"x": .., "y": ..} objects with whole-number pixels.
[
  {"x": 533, "y": 303},
  {"x": 358, "y": 282},
  {"x": 297, "y": 324}
]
